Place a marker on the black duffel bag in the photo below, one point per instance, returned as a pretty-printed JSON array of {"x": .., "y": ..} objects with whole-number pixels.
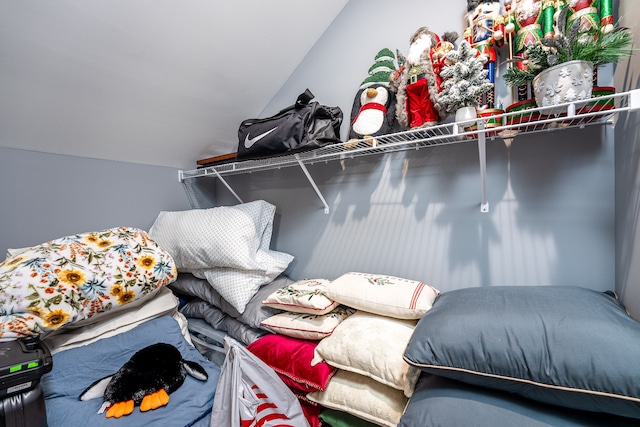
[{"x": 303, "y": 126}]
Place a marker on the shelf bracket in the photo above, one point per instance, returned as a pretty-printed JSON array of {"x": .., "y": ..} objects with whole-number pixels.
[
  {"x": 226, "y": 184},
  {"x": 312, "y": 182},
  {"x": 482, "y": 153}
]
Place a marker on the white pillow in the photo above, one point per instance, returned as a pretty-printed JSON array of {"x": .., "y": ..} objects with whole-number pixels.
[
  {"x": 11, "y": 252},
  {"x": 303, "y": 296},
  {"x": 362, "y": 397},
  {"x": 163, "y": 303},
  {"x": 226, "y": 236},
  {"x": 373, "y": 346},
  {"x": 383, "y": 295},
  {"x": 238, "y": 286},
  {"x": 307, "y": 326}
]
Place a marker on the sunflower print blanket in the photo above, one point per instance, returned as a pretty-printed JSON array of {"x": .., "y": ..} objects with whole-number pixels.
[{"x": 73, "y": 278}]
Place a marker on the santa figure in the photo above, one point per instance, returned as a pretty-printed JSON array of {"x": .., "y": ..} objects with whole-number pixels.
[{"x": 418, "y": 83}]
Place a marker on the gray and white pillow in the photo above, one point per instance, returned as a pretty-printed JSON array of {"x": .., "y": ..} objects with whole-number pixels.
[{"x": 226, "y": 236}]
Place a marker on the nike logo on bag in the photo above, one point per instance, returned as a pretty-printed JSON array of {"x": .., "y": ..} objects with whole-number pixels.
[{"x": 248, "y": 142}]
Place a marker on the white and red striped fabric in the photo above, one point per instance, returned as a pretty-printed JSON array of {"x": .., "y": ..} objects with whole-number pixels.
[{"x": 250, "y": 394}]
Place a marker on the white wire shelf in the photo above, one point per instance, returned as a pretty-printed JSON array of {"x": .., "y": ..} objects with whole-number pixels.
[{"x": 595, "y": 111}]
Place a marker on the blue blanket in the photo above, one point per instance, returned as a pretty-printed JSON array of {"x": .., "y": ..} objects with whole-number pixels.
[{"x": 77, "y": 368}]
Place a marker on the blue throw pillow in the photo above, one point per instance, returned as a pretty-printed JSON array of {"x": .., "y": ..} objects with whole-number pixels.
[{"x": 567, "y": 346}]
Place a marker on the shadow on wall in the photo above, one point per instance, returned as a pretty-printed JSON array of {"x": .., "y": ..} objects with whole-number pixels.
[
  {"x": 472, "y": 233},
  {"x": 416, "y": 214},
  {"x": 413, "y": 214},
  {"x": 349, "y": 179},
  {"x": 562, "y": 213}
]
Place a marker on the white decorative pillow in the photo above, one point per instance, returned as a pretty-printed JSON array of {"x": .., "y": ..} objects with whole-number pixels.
[
  {"x": 363, "y": 397},
  {"x": 373, "y": 346},
  {"x": 303, "y": 296},
  {"x": 383, "y": 295},
  {"x": 307, "y": 326},
  {"x": 225, "y": 236}
]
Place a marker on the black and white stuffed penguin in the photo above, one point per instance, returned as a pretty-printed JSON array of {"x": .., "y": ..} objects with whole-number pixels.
[
  {"x": 146, "y": 380},
  {"x": 374, "y": 106},
  {"x": 373, "y": 112}
]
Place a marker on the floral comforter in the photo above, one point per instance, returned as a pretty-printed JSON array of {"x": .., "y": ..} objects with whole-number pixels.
[{"x": 73, "y": 278}]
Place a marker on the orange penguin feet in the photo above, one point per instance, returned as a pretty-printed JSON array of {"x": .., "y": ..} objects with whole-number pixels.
[
  {"x": 154, "y": 400},
  {"x": 119, "y": 409}
]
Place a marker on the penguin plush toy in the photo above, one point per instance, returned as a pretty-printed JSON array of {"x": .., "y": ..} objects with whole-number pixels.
[
  {"x": 145, "y": 380},
  {"x": 373, "y": 113}
]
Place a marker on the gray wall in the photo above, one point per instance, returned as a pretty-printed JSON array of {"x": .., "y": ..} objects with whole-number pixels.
[
  {"x": 416, "y": 214},
  {"x": 627, "y": 158},
  {"x": 46, "y": 196}
]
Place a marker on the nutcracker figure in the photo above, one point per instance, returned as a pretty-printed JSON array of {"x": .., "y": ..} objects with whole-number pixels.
[
  {"x": 485, "y": 32},
  {"x": 529, "y": 21},
  {"x": 592, "y": 14}
]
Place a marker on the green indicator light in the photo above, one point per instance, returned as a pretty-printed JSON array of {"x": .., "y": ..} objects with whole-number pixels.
[
  {"x": 15, "y": 368},
  {"x": 32, "y": 365}
]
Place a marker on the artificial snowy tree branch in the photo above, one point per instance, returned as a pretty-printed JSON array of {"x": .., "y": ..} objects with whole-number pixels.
[{"x": 464, "y": 79}]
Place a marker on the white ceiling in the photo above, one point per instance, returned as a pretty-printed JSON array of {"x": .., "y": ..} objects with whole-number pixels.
[{"x": 160, "y": 82}]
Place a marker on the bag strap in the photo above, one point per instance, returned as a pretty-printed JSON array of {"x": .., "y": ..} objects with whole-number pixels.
[{"x": 304, "y": 98}]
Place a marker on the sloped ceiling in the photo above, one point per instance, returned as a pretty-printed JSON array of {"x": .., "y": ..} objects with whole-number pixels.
[{"x": 160, "y": 82}]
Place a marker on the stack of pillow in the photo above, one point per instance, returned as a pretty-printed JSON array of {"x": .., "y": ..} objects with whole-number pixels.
[
  {"x": 229, "y": 246},
  {"x": 303, "y": 316},
  {"x": 225, "y": 264},
  {"x": 525, "y": 356},
  {"x": 201, "y": 301},
  {"x": 337, "y": 339},
  {"x": 306, "y": 311}
]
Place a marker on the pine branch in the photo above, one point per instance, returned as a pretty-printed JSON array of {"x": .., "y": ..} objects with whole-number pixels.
[{"x": 571, "y": 44}]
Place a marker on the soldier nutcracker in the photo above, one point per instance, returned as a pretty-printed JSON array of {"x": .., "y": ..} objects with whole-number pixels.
[
  {"x": 486, "y": 33},
  {"x": 596, "y": 14},
  {"x": 530, "y": 21}
]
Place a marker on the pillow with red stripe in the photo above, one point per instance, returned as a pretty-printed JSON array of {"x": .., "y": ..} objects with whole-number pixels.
[
  {"x": 383, "y": 295},
  {"x": 291, "y": 358}
]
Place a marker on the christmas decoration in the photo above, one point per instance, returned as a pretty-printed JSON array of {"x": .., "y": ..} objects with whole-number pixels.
[
  {"x": 464, "y": 79},
  {"x": 571, "y": 43},
  {"x": 485, "y": 33},
  {"x": 592, "y": 14},
  {"x": 374, "y": 106},
  {"x": 381, "y": 69},
  {"x": 529, "y": 21},
  {"x": 373, "y": 113},
  {"x": 418, "y": 84}
]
